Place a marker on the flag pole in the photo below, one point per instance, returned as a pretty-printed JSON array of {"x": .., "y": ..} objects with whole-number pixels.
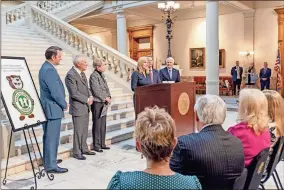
[{"x": 276, "y": 88}]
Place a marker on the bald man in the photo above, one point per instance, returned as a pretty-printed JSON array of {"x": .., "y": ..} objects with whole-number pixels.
[{"x": 169, "y": 73}]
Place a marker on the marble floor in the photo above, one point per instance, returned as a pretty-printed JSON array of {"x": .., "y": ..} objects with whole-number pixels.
[{"x": 96, "y": 171}]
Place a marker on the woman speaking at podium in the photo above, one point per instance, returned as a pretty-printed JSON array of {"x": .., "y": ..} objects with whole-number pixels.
[{"x": 141, "y": 76}]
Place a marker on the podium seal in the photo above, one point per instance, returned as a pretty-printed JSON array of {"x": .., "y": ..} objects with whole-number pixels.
[{"x": 183, "y": 103}]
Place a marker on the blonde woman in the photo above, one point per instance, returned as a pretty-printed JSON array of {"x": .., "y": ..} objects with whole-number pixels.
[
  {"x": 252, "y": 128},
  {"x": 141, "y": 76},
  {"x": 251, "y": 76},
  {"x": 276, "y": 114},
  {"x": 155, "y": 139}
]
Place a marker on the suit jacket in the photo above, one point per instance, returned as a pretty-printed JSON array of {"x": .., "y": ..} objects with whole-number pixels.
[
  {"x": 99, "y": 87},
  {"x": 79, "y": 93},
  {"x": 52, "y": 93},
  {"x": 235, "y": 74},
  {"x": 214, "y": 155},
  {"x": 164, "y": 75},
  {"x": 266, "y": 75},
  {"x": 156, "y": 76},
  {"x": 138, "y": 79}
]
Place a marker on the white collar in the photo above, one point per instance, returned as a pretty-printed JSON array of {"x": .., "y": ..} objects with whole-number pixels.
[
  {"x": 78, "y": 71},
  {"x": 206, "y": 126},
  {"x": 51, "y": 64}
]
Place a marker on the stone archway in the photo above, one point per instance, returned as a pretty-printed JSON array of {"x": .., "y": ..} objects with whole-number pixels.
[{"x": 280, "y": 12}]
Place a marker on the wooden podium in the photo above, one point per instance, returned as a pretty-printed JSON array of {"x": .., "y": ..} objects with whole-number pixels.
[{"x": 177, "y": 99}]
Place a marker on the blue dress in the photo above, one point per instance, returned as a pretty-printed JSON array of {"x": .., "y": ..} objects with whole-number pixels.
[
  {"x": 143, "y": 180},
  {"x": 138, "y": 79}
]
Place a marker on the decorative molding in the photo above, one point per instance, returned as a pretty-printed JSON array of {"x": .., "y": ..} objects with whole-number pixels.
[{"x": 249, "y": 13}]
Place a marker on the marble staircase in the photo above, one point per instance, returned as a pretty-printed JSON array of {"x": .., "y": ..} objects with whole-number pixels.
[{"x": 22, "y": 41}]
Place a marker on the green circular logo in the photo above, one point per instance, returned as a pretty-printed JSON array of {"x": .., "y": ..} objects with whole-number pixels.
[{"x": 23, "y": 102}]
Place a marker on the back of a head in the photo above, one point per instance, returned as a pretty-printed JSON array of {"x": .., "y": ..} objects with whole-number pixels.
[
  {"x": 211, "y": 109},
  {"x": 253, "y": 109},
  {"x": 155, "y": 130},
  {"x": 276, "y": 110},
  {"x": 52, "y": 51}
]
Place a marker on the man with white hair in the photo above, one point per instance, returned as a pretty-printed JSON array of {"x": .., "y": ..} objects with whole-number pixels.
[
  {"x": 213, "y": 154},
  {"x": 80, "y": 100},
  {"x": 169, "y": 73}
]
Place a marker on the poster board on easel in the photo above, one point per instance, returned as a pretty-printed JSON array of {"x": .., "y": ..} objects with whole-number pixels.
[{"x": 19, "y": 94}]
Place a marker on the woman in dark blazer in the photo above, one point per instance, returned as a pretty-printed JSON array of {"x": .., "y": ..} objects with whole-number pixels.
[
  {"x": 102, "y": 98},
  {"x": 141, "y": 76}
]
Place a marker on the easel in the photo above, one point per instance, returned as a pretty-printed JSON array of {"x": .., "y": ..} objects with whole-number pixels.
[{"x": 41, "y": 172}]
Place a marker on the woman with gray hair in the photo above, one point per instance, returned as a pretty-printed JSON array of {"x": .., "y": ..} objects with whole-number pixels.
[{"x": 102, "y": 98}]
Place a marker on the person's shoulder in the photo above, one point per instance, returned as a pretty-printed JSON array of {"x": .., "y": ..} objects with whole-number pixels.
[
  {"x": 184, "y": 141},
  {"x": 155, "y": 70},
  {"x": 192, "y": 182},
  {"x": 176, "y": 70},
  {"x": 238, "y": 126}
]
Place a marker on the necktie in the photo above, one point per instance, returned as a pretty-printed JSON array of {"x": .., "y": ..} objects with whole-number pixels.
[
  {"x": 84, "y": 77},
  {"x": 264, "y": 71},
  {"x": 170, "y": 73},
  {"x": 151, "y": 76}
]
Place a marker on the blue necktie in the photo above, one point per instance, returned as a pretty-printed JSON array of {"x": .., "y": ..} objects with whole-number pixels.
[{"x": 170, "y": 73}]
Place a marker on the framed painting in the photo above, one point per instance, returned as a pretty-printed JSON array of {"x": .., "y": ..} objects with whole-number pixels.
[
  {"x": 197, "y": 58},
  {"x": 221, "y": 58}
]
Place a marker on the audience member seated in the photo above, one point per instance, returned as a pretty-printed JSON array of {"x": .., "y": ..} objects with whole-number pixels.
[
  {"x": 155, "y": 139},
  {"x": 276, "y": 116},
  {"x": 252, "y": 128},
  {"x": 214, "y": 155}
]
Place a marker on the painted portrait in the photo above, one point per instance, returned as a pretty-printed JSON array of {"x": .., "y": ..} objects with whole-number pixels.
[
  {"x": 197, "y": 58},
  {"x": 222, "y": 58}
]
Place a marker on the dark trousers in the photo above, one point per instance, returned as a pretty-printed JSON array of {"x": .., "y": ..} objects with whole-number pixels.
[
  {"x": 236, "y": 84},
  {"x": 99, "y": 125},
  {"x": 51, "y": 135},
  {"x": 264, "y": 84},
  {"x": 81, "y": 125}
]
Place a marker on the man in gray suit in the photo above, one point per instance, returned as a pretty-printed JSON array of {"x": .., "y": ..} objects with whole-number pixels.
[
  {"x": 80, "y": 100},
  {"x": 52, "y": 97}
]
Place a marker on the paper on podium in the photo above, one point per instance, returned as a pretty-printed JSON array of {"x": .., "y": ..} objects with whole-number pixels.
[
  {"x": 168, "y": 82},
  {"x": 104, "y": 110}
]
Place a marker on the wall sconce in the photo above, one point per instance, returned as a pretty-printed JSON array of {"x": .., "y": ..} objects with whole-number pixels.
[{"x": 246, "y": 53}]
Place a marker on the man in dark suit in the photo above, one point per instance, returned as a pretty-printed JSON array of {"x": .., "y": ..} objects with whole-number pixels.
[
  {"x": 169, "y": 73},
  {"x": 80, "y": 100},
  {"x": 153, "y": 73},
  {"x": 215, "y": 156},
  {"x": 264, "y": 75},
  {"x": 52, "y": 96},
  {"x": 236, "y": 73}
]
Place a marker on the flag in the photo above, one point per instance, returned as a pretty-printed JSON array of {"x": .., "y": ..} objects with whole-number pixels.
[{"x": 277, "y": 69}]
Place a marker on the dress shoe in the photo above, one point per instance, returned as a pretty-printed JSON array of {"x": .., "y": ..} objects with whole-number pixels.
[
  {"x": 89, "y": 153},
  {"x": 79, "y": 157},
  {"x": 98, "y": 150},
  {"x": 106, "y": 148},
  {"x": 57, "y": 162},
  {"x": 58, "y": 170}
]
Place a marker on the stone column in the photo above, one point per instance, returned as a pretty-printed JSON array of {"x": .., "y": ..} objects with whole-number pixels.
[
  {"x": 114, "y": 39},
  {"x": 249, "y": 34},
  {"x": 212, "y": 47},
  {"x": 280, "y": 12},
  {"x": 121, "y": 33}
]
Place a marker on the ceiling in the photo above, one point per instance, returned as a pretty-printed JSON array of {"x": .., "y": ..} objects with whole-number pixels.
[{"x": 150, "y": 14}]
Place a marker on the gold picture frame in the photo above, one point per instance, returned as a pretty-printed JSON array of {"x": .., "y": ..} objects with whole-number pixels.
[
  {"x": 197, "y": 58},
  {"x": 222, "y": 55}
]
